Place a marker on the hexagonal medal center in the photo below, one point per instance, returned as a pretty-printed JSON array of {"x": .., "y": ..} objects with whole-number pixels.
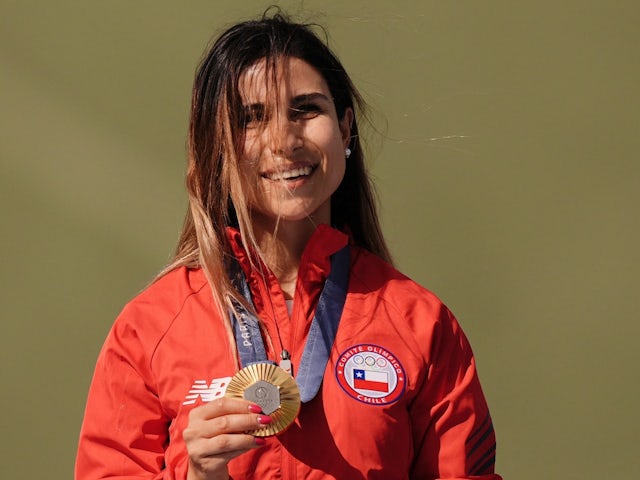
[{"x": 264, "y": 394}]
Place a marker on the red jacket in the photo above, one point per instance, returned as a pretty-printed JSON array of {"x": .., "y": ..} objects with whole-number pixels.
[{"x": 400, "y": 397}]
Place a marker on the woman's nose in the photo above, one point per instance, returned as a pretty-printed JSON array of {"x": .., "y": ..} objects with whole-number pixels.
[{"x": 283, "y": 137}]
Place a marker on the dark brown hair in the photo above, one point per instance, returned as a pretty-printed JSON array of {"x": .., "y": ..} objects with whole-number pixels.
[{"x": 216, "y": 199}]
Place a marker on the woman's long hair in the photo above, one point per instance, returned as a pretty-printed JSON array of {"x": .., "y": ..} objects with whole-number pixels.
[{"x": 216, "y": 197}]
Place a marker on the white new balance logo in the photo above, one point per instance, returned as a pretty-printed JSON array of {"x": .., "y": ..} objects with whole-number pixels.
[{"x": 207, "y": 392}]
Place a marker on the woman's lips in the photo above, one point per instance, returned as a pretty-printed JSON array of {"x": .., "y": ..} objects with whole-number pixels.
[{"x": 290, "y": 173}]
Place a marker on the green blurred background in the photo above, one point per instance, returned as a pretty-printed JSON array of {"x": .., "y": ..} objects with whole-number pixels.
[{"x": 505, "y": 157}]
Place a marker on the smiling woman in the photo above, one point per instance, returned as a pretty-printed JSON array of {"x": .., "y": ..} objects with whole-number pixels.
[{"x": 281, "y": 342}]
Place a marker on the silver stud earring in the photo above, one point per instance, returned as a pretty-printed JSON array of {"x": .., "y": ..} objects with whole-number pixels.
[{"x": 347, "y": 152}]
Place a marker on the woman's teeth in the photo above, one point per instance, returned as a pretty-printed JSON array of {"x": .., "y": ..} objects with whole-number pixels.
[{"x": 289, "y": 174}]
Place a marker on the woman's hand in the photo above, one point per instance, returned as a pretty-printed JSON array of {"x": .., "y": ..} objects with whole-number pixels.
[{"x": 215, "y": 435}]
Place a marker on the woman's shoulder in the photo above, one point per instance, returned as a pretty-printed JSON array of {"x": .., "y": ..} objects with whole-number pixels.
[
  {"x": 155, "y": 308},
  {"x": 372, "y": 276},
  {"x": 174, "y": 287},
  {"x": 379, "y": 276}
]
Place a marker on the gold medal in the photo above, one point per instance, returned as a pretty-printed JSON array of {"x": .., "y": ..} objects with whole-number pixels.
[{"x": 273, "y": 389}]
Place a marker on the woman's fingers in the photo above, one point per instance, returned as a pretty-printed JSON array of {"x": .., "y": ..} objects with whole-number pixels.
[
  {"x": 225, "y": 424},
  {"x": 223, "y": 406},
  {"x": 216, "y": 433},
  {"x": 221, "y": 448},
  {"x": 224, "y": 416}
]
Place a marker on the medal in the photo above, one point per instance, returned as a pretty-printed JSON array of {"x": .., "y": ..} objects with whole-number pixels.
[{"x": 273, "y": 389}]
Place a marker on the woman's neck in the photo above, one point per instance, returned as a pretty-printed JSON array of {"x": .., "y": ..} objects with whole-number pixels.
[{"x": 282, "y": 245}]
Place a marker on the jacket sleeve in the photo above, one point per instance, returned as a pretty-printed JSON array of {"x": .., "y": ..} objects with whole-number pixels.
[
  {"x": 125, "y": 430},
  {"x": 453, "y": 431}
]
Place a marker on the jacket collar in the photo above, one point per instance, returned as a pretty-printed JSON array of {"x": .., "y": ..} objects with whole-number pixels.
[{"x": 314, "y": 264}]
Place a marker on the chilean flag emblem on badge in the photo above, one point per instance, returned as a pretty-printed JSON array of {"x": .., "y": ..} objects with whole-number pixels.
[
  {"x": 370, "y": 374},
  {"x": 371, "y": 380}
]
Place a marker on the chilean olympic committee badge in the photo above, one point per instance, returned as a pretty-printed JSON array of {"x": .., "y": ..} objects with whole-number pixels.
[
  {"x": 272, "y": 388},
  {"x": 371, "y": 374}
]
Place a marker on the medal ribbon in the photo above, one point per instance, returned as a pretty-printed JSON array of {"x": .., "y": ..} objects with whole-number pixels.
[{"x": 322, "y": 332}]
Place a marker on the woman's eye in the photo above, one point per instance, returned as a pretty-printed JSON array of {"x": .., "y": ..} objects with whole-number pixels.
[
  {"x": 305, "y": 111},
  {"x": 253, "y": 116}
]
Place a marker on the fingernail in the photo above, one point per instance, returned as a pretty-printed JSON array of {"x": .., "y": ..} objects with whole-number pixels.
[
  {"x": 259, "y": 441},
  {"x": 255, "y": 409},
  {"x": 264, "y": 419}
]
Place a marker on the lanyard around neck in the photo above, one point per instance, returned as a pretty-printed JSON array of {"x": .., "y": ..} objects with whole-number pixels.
[{"x": 322, "y": 332}]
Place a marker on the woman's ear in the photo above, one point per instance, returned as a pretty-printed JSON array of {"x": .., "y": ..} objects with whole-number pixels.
[{"x": 345, "y": 126}]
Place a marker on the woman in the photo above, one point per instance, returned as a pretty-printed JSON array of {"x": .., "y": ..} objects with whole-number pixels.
[{"x": 282, "y": 260}]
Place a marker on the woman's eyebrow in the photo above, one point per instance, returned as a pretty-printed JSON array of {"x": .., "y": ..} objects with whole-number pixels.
[{"x": 306, "y": 97}]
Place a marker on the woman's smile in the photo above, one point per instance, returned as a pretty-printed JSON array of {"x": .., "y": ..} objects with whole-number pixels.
[{"x": 290, "y": 174}]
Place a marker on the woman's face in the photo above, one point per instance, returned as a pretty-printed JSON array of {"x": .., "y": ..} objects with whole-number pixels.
[{"x": 293, "y": 154}]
